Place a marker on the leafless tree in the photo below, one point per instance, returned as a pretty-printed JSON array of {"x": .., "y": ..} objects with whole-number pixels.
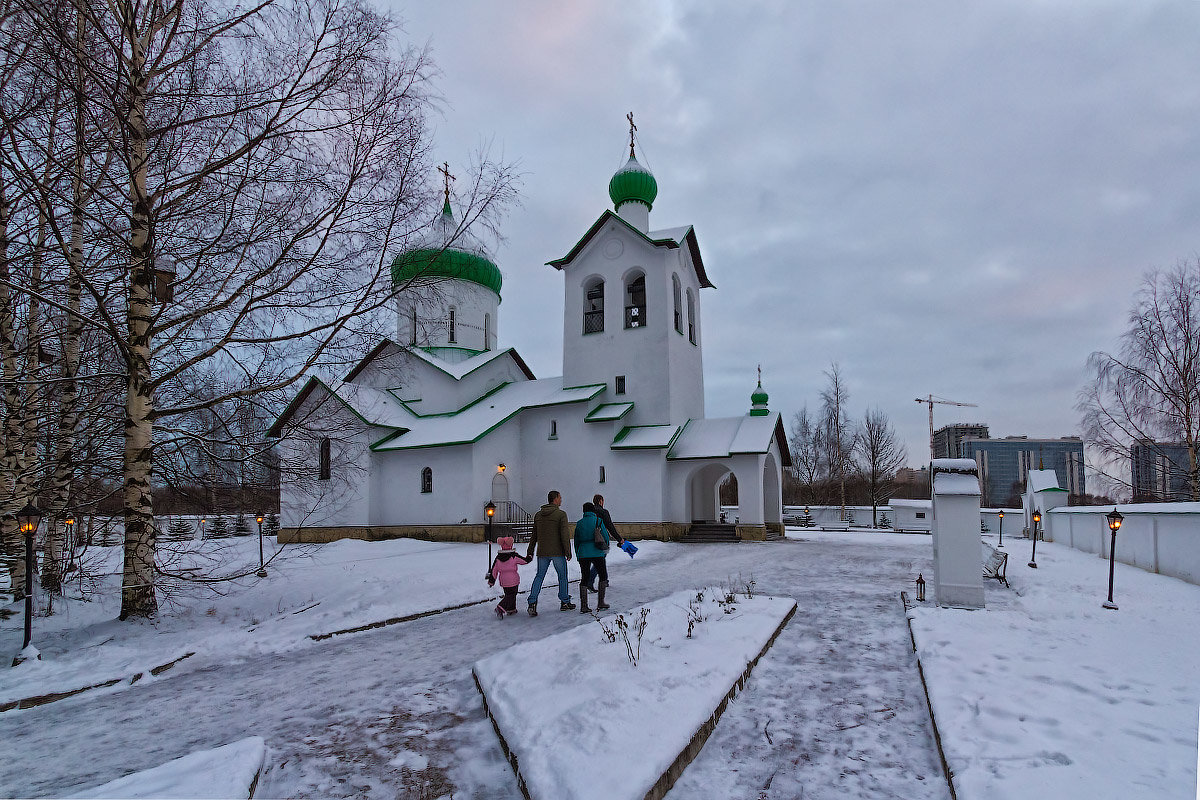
[
  {"x": 879, "y": 455},
  {"x": 1149, "y": 391},
  {"x": 837, "y": 433},
  {"x": 272, "y": 155}
]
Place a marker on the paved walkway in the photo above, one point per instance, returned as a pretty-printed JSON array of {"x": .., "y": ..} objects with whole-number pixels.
[{"x": 835, "y": 709}]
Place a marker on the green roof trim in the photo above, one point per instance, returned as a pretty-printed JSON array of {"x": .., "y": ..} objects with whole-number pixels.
[
  {"x": 608, "y": 412},
  {"x": 446, "y": 263},
  {"x": 1049, "y": 489}
]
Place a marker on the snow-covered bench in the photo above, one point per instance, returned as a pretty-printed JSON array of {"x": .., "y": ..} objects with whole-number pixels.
[
  {"x": 836, "y": 525},
  {"x": 995, "y": 564}
]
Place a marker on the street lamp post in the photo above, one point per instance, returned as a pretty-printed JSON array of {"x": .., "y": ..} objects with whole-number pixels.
[
  {"x": 262, "y": 567},
  {"x": 202, "y": 521},
  {"x": 1037, "y": 518},
  {"x": 1114, "y": 523},
  {"x": 490, "y": 509},
  {"x": 28, "y": 519},
  {"x": 1001, "y": 528}
]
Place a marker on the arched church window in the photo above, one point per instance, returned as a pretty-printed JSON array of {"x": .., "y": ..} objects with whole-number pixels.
[
  {"x": 426, "y": 480},
  {"x": 635, "y": 301},
  {"x": 324, "y": 460},
  {"x": 593, "y": 307},
  {"x": 691, "y": 303},
  {"x": 487, "y": 331},
  {"x": 675, "y": 291},
  {"x": 453, "y": 325}
]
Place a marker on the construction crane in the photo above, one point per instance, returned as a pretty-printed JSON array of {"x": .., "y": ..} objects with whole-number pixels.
[{"x": 931, "y": 401}]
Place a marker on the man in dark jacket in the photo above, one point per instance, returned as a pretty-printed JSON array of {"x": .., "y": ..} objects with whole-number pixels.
[
  {"x": 552, "y": 540},
  {"x": 589, "y": 580}
]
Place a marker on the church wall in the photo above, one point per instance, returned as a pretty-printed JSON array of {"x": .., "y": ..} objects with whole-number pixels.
[
  {"x": 685, "y": 363},
  {"x": 640, "y": 354},
  {"x": 471, "y": 302},
  {"x": 398, "y": 499},
  {"x": 344, "y": 498}
]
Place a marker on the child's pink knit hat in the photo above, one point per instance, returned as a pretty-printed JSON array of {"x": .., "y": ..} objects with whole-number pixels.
[{"x": 505, "y": 542}]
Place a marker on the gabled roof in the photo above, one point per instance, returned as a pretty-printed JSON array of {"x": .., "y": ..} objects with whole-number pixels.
[
  {"x": 645, "y": 437},
  {"x": 671, "y": 238},
  {"x": 1042, "y": 480},
  {"x": 608, "y": 412},
  {"x": 476, "y": 420},
  {"x": 374, "y": 407},
  {"x": 728, "y": 436},
  {"x": 457, "y": 370}
]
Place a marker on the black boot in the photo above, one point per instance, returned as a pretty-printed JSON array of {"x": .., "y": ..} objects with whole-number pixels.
[
  {"x": 600, "y": 604},
  {"x": 583, "y": 604}
]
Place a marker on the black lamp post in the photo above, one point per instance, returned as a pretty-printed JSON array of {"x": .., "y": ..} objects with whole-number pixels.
[
  {"x": 202, "y": 521},
  {"x": 1037, "y": 518},
  {"x": 1114, "y": 523},
  {"x": 921, "y": 588},
  {"x": 490, "y": 510},
  {"x": 1001, "y": 515},
  {"x": 28, "y": 519},
  {"x": 262, "y": 567}
]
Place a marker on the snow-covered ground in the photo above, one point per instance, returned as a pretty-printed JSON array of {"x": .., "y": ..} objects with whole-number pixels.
[
  {"x": 1046, "y": 694},
  {"x": 834, "y": 709}
]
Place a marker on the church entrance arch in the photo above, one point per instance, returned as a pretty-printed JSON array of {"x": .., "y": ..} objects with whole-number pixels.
[
  {"x": 772, "y": 491},
  {"x": 499, "y": 488},
  {"x": 703, "y": 501}
]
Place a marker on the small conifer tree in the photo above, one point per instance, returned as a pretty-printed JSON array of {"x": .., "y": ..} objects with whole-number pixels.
[
  {"x": 179, "y": 529},
  {"x": 218, "y": 527},
  {"x": 240, "y": 526}
]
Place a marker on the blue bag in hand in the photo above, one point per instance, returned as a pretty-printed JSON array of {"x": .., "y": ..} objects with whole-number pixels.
[{"x": 629, "y": 547}]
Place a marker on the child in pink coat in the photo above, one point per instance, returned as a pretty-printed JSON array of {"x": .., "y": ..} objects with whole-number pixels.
[{"x": 504, "y": 569}]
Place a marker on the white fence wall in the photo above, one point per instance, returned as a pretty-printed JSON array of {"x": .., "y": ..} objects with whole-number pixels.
[{"x": 1157, "y": 537}]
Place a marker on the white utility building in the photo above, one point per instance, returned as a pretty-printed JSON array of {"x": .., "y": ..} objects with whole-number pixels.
[{"x": 430, "y": 427}]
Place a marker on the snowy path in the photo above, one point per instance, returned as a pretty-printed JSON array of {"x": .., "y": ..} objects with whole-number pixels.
[{"x": 393, "y": 712}]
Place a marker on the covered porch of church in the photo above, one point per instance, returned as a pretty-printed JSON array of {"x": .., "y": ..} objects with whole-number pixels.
[{"x": 759, "y": 513}]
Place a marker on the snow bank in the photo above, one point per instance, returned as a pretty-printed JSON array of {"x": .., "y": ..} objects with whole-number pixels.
[
  {"x": 581, "y": 721},
  {"x": 224, "y": 772}
]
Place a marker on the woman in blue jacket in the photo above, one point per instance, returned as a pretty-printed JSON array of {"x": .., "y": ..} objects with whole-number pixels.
[{"x": 589, "y": 533}]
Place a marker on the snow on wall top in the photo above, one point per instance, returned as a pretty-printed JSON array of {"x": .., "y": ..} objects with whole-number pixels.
[
  {"x": 955, "y": 483},
  {"x": 923, "y": 504},
  {"x": 955, "y": 465},
  {"x": 1132, "y": 508}
]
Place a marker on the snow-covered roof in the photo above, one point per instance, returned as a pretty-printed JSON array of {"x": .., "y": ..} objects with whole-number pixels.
[
  {"x": 460, "y": 369},
  {"x": 1041, "y": 480},
  {"x": 476, "y": 420},
  {"x": 641, "y": 437},
  {"x": 726, "y": 436},
  {"x": 923, "y": 504},
  {"x": 608, "y": 412},
  {"x": 955, "y": 465}
]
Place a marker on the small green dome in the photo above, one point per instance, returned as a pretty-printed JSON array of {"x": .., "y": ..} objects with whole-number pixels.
[
  {"x": 446, "y": 252},
  {"x": 633, "y": 183},
  {"x": 758, "y": 402}
]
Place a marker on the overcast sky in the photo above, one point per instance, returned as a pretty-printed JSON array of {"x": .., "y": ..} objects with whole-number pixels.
[{"x": 943, "y": 197}]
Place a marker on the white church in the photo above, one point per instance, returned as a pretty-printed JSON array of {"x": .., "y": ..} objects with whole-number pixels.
[{"x": 429, "y": 428}]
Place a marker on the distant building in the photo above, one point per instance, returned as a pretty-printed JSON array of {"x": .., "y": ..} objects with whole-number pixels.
[
  {"x": 947, "y": 440},
  {"x": 1160, "y": 471},
  {"x": 1004, "y": 465}
]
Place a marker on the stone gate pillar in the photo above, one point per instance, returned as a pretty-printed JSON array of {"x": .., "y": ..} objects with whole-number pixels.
[{"x": 957, "y": 555}]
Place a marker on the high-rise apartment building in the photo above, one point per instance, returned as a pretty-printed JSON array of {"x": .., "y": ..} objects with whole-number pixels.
[
  {"x": 947, "y": 439},
  {"x": 1005, "y": 463},
  {"x": 1160, "y": 471}
]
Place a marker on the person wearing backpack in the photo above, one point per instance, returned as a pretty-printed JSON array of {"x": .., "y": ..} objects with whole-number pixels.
[{"x": 591, "y": 545}]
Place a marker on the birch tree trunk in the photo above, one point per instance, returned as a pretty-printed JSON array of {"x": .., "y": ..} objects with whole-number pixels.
[{"x": 14, "y": 546}]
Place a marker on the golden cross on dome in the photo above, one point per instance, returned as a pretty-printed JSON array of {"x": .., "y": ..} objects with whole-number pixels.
[
  {"x": 632, "y": 128},
  {"x": 446, "y": 177},
  {"x": 760, "y": 374}
]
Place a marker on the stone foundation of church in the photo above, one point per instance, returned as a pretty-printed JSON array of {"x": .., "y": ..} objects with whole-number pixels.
[{"x": 661, "y": 531}]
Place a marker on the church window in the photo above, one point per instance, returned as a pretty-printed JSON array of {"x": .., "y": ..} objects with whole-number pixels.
[
  {"x": 678, "y": 306},
  {"x": 635, "y": 301},
  {"x": 453, "y": 327},
  {"x": 602, "y": 473},
  {"x": 620, "y": 385},
  {"x": 426, "y": 480},
  {"x": 487, "y": 331},
  {"x": 691, "y": 305},
  {"x": 324, "y": 460},
  {"x": 412, "y": 331},
  {"x": 553, "y": 429},
  {"x": 593, "y": 307}
]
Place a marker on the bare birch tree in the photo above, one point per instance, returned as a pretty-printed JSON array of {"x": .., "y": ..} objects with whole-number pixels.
[
  {"x": 837, "y": 431},
  {"x": 1148, "y": 392},
  {"x": 879, "y": 454},
  {"x": 273, "y": 155}
]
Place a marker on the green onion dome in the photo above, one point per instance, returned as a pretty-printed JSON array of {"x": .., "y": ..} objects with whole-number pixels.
[
  {"x": 633, "y": 183},
  {"x": 447, "y": 252},
  {"x": 758, "y": 402}
]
